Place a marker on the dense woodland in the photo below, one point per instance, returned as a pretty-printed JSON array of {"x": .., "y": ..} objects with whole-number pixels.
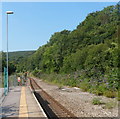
[{"x": 86, "y": 57}]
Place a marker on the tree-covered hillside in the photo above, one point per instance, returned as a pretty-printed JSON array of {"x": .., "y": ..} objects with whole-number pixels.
[
  {"x": 14, "y": 59},
  {"x": 89, "y": 53},
  {"x": 19, "y": 55}
]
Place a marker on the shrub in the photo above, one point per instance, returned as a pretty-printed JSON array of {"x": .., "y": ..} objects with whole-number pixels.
[
  {"x": 110, "y": 94},
  {"x": 118, "y": 95},
  {"x": 84, "y": 86},
  {"x": 99, "y": 90}
]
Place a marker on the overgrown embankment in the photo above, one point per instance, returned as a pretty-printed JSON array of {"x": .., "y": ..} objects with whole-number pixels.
[{"x": 76, "y": 80}]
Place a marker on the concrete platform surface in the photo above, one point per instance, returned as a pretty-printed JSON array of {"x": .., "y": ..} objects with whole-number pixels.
[
  {"x": 34, "y": 109},
  {"x": 10, "y": 105},
  {"x": 21, "y": 102}
]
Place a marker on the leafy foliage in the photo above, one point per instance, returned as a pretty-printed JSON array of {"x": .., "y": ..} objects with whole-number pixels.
[{"x": 89, "y": 53}]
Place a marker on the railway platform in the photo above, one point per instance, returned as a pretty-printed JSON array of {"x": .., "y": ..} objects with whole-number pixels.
[{"x": 21, "y": 102}]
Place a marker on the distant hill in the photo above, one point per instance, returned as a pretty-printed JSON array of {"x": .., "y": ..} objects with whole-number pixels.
[
  {"x": 14, "y": 59},
  {"x": 19, "y": 55}
]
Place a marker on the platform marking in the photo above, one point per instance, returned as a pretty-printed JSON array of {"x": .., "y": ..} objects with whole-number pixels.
[
  {"x": 23, "y": 110},
  {"x": 38, "y": 104}
]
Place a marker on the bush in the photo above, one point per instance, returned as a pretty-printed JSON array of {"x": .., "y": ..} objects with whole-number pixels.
[
  {"x": 84, "y": 86},
  {"x": 99, "y": 90},
  {"x": 110, "y": 94},
  {"x": 118, "y": 95}
]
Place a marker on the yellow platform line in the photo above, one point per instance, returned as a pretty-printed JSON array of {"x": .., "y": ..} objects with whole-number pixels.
[{"x": 23, "y": 111}]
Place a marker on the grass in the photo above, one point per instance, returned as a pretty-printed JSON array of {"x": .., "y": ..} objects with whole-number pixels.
[
  {"x": 109, "y": 105},
  {"x": 97, "y": 101},
  {"x": 60, "y": 86}
]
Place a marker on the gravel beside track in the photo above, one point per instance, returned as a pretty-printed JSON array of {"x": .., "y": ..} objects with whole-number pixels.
[
  {"x": 52, "y": 107},
  {"x": 78, "y": 102}
]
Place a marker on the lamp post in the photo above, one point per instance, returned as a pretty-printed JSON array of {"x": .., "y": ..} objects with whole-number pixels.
[{"x": 7, "y": 12}]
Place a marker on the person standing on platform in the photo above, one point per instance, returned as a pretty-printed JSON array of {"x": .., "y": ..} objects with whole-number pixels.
[
  {"x": 19, "y": 81},
  {"x": 25, "y": 75}
]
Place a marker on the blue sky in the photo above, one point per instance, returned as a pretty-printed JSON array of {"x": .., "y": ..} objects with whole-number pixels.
[{"x": 33, "y": 23}]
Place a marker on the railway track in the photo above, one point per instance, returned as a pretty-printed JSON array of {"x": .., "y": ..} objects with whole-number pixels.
[{"x": 52, "y": 108}]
